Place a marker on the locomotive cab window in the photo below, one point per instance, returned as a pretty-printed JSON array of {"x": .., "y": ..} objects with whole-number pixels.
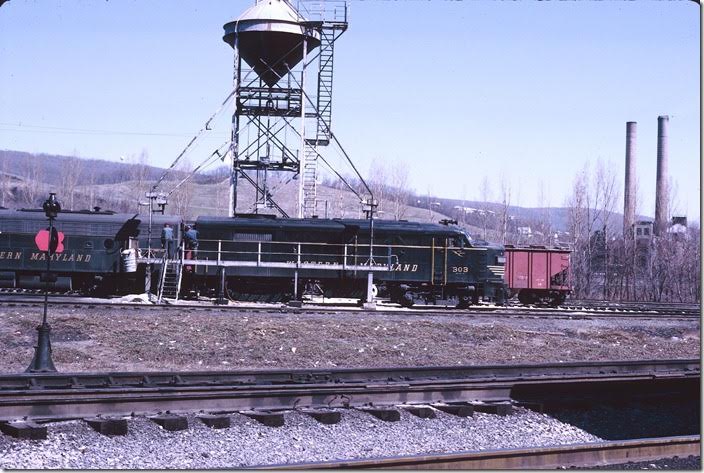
[{"x": 456, "y": 242}]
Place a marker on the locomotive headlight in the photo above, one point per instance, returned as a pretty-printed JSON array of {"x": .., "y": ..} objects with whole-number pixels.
[{"x": 500, "y": 260}]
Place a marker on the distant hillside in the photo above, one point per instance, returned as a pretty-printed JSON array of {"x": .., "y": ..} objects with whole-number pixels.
[{"x": 26, "y": 179}]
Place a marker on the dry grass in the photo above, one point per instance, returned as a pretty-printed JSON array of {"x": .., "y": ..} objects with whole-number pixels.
[{"x": 99, "y": 339}]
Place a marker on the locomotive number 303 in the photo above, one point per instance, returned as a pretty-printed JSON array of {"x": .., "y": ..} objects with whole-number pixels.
[{"x": 460, "y": 269}]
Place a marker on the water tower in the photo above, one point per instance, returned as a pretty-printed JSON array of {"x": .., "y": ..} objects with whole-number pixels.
[{"x": 283, "y": 77}]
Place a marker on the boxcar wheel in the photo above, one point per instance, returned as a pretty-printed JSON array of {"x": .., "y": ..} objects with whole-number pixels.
[{"x": 526, "y": 297}]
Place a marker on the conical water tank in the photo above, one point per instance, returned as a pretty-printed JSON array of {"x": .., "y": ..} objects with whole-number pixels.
[{"x": 270, "y": 36}]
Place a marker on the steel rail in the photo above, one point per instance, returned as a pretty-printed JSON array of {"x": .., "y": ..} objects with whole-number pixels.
[
  {"x": 517, "y": 311},
  {"x": 43, "y": 396},
  {"x": 9, "y": 296},
  {"x": 563, "y": 456}
]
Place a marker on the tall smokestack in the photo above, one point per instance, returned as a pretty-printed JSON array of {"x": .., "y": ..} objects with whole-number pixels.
[
  {"x": 661, "y": 196},
  {"x": 629, "y": 194}
]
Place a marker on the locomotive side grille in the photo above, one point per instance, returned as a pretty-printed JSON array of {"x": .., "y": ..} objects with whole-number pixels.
[
  {"x": 69, "y": 228},
  {"x": 252, "y": 237},
  {"x": 89, "y": 229}
]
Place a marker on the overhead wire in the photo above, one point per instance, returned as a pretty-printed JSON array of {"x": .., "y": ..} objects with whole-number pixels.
[
  {"x": 214, "y": 156},
  {"x": 205, "y": 128},
  {"x": 23, "y": 128}
]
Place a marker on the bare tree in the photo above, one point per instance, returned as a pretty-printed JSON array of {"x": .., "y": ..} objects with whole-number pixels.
[
  {"x": 4, "y": 183},
  {"x": 140, "y": 174},
  {"x": 377, "y": 183},
  {"x": 71, "y": 171},
  {"x": 606, "y": 196},
  {"x": 398, "y": 189},
  {"x": 544, "y": 225},
  {"x": 35, "y": 178},
  {"x": 90, "y": 182},
  {"x": 505, "y": 204},
  {"x": 182, "y": 196},
  {"x": 579, "y": 234},
  {"x": 485, "y": 197}
]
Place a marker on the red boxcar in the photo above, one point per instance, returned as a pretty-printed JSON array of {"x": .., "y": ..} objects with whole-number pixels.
[{"x": 538, "y": 274}]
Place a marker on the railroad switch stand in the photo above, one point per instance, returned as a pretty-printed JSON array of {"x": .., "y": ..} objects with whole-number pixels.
[{"x": 42, "y": 362}]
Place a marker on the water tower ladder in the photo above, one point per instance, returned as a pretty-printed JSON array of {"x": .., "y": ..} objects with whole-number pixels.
[
  {"x": 325, "y": 73},
  {"x": 309, "y": 172}
]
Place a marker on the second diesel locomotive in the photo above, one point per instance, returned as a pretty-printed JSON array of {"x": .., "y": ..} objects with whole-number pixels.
[{"x": 412, "y": 262}]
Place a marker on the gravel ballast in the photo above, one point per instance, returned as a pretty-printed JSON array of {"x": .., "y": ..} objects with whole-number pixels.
[{"x": 247, "y": 443}]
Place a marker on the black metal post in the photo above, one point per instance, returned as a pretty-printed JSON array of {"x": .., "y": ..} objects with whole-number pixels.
[
  {"x": 42, "y": 362},
  {"x": 221, "y": 300}
]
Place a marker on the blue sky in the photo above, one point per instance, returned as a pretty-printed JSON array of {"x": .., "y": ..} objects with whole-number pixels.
[{"x": 454, "y": 90}]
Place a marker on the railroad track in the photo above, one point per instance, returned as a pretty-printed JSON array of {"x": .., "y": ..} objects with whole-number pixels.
[
  {"x": 564, "y": 456},
  {"x": 57, "y": 396},
  {"x": 569, "y": 312},
  {"x": 656, "y": 307}
]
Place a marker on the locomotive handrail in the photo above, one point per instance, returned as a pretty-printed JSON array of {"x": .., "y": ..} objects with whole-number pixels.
[
  {"x": 292, "y": 255},
  {"x": 300, "y": 257},
  {"x": 151, "y": 253},
  {"x": 364, "y": 245}
]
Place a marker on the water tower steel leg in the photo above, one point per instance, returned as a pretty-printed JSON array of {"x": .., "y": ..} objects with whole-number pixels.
[
  {"x": 234, "y": 143},
  {"x": 302, "y": 153}
]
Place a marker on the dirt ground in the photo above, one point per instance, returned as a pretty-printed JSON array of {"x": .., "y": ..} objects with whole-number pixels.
[{"x": 123, "y": 340}]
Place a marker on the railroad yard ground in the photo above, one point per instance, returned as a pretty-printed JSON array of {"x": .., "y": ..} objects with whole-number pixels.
[
  {"x": 103, "y": 338},
  {"x": 106, "y": 339}
]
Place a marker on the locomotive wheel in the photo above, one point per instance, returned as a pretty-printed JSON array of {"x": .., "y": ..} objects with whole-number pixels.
[
  {"x": 407, "y": 299},
  {"x": 465, "y": 302}
]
